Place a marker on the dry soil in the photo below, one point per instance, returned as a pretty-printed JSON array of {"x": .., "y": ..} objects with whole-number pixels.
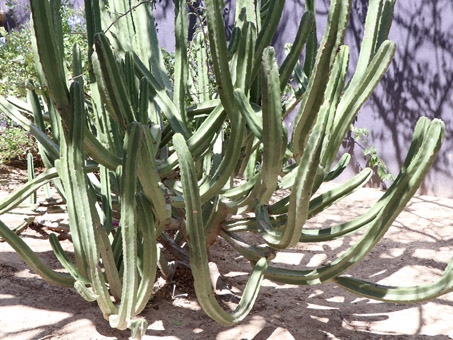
[{"x": 416, "y": 249}]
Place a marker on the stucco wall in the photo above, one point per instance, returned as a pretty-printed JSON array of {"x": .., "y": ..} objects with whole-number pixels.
[{"x": 418, "y": 83}]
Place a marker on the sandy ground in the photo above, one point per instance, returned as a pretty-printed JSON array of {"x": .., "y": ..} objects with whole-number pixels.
[{"x": 415, "y": 250}]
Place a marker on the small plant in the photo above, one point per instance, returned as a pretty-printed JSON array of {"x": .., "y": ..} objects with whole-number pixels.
[
  {"x": 361, "y": 138},
  {"x": 16, "y": 63},
  {"x": 15, "y": 144}
]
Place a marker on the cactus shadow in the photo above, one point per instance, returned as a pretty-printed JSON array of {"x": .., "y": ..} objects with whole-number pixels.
[
  {"x": 23, "y": 292},
  {"x": 317, "y": 312}
]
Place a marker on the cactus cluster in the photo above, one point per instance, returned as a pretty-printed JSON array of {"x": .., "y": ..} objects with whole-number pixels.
[{"x": 159, "y": 152}]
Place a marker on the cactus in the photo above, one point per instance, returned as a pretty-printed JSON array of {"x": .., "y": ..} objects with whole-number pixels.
[{"x": 166, "y": 157}]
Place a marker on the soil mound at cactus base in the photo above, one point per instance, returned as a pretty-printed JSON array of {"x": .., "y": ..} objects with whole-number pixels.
[{"x": 415, "y": 251}]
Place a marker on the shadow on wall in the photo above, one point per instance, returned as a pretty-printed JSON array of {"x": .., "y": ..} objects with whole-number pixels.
[{"x": 418, "y": 83}]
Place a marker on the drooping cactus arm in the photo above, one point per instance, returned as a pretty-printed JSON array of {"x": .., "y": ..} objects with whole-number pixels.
[
  {"x": 92, "y": 146},
  {"x": 65, "y": 260},
  {"x": 410, "y": 294},
  {"x": 287, "y": 181},
  {"x": 397, "y": 197},
  {"x": 99, "y": 153},
  {"x": 362, "y": 221},
  {"x": 26, "y": 190},
  {"x": 242, "y": 190},
  {"x": 323, "y": 201},
  {"x": 378, "y": 219},
  {"x": 12, "y": 112},
  {"x": 254, "y": 122},
  {"x": 308, "y": 235},
  {"x": 30, "y": 187},
  {"x": 198, "y": 252},
  {"x": 32, "y": 260},
  {"x": 249, "y": 224},
  {"x": 338, "y": 169},
  {"x": 250, "y": 252},
  {"x": 327, "y": 234},
  {"x": 316, "y": 205}
]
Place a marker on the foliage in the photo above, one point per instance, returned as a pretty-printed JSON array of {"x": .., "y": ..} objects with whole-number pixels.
[
  {"x": 17, "y": 73},
  {"x": 361, "y": 136},
  {"x": 15, "y": 143},
  {"x": 16, "y": 63},
  {"x": 16, "y": 56},
  {"x": 167, "y": 148}
]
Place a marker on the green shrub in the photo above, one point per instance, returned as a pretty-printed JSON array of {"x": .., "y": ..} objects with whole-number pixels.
[
  {"x": 15, "y": 143},
  {"x": 16, "y": 63},
  {"x": 17, "y": 74},
  {"x": 16, "y": 55}
]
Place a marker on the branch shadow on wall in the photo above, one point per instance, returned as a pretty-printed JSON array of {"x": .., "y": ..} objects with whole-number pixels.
[{"x": 418, "y": 83}]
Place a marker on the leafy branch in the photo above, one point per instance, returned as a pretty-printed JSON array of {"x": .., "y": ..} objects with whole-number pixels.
[{"x": 361, "y": 138}]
